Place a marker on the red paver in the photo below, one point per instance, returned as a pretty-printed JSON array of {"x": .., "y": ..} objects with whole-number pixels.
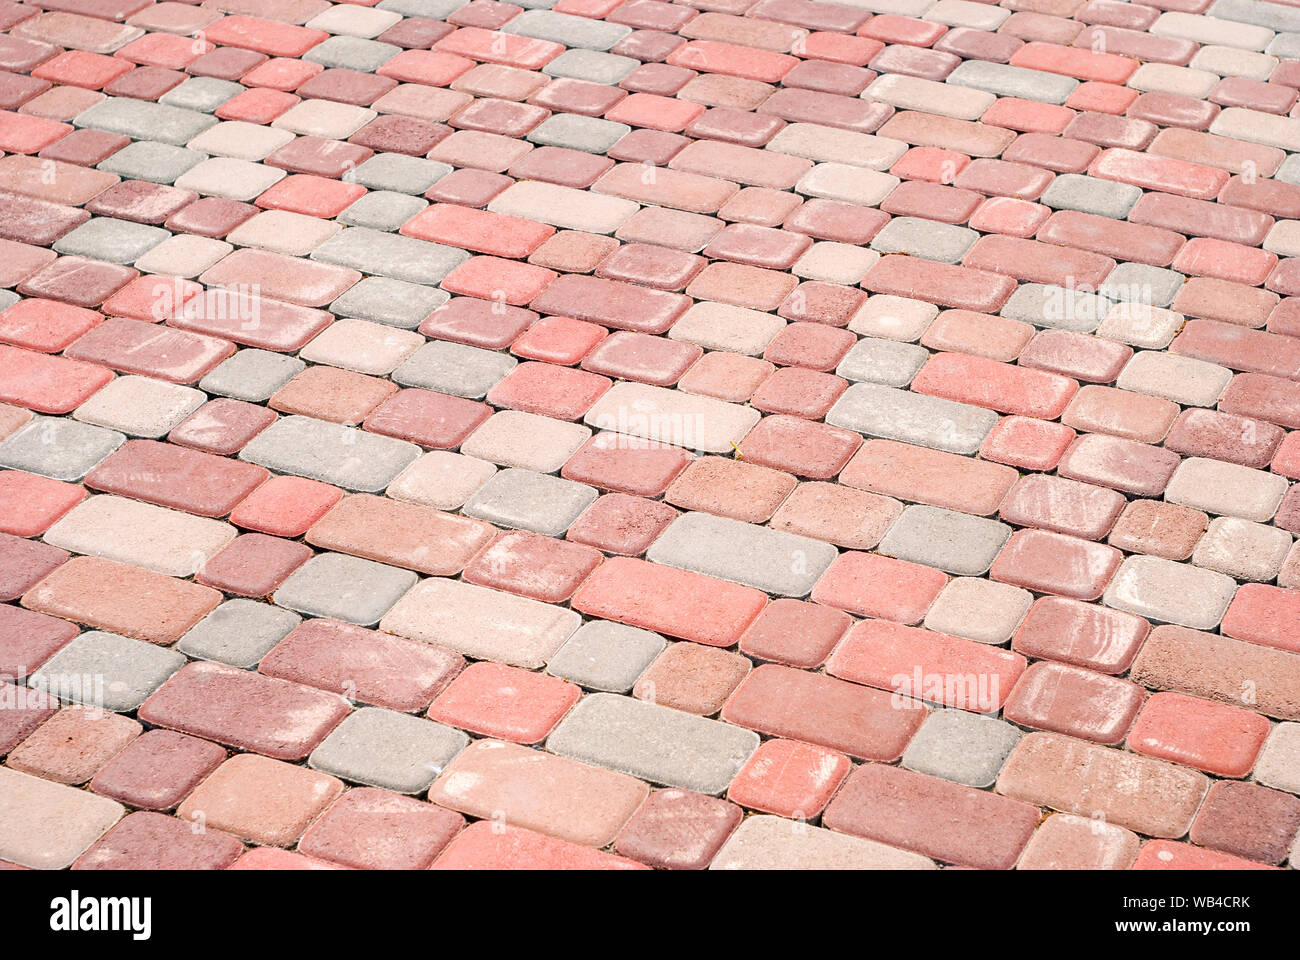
[
  {"x": 151, "y": 841},
  {"x": 533, "y": 566},
  {"x": 1213, "y": 737},
  {"x": 171, "y": 476},
  {"x": 370, "y": 829},
  {"x": 158, "y": 770},
  {"x": 871, "y": 585},
  {"x": 484, "y": 846},
  {"x": 678, "y": 830},
  {"x": 789, "y": 778},
  {"x": 495, "y": 700}
]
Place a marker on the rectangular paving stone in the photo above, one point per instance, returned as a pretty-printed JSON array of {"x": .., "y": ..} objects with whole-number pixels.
[
  {"x": 667, "y": 416},
  {"x": 330, "y": 453},
  {"x": 653, "y": 742},
  {"x": 773, "y": 561}
]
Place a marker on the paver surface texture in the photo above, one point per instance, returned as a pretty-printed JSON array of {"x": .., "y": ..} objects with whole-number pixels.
[{"x": 607, "y": 434}]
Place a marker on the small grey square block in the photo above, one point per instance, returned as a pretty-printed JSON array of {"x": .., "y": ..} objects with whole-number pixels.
[
  {"x": 345, "y": 588},
  {"x": 1140, "y": 283},
  {"x": 352, "y": 53},
  {"x": 106, "y": 670},
  {"x": 1008, "y": 81},
  {"x": 576, "y": 32},
  {"x": 390, "y": 255},
  {"x": 930, "y": 239},
  {"x": 1061, "y": 308},
  {"x": 111, "y": 240},
  {"x": 953, "y": 542},
  {"x": 961, "y": 746},
  {"x": 396, "y": 303},
  {"x": 150, "y": 160},
  {"x": 432, "y": 9},
  {"x": 238, "y": 633},
  {"x": 1105, "y": 198},
  {"x": 382, "y": 210},
  {"x": 886, "y": 362},
  {"x": 59, "y": 448},
  {"x": 532, "y": 501},
  {"x": 453, "y": 368},
  {"x": 390, "y": 750},
  {"x": 203, "y": 94},
  {"x": 592, "y": 66},
  {"x": 251, "y": 375},
  {"x": 606, "y": 656},
  {"x": 590, "y": 134},
  {"x": 399, "y": 173}
]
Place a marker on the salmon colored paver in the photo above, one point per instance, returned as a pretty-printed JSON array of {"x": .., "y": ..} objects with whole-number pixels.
[{"x": 615, "y": 434}]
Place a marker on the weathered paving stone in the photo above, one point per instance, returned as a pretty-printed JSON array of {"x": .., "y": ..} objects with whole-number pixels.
[
  {"x": 576, "y": 32},
  {"x": 654, "y": 743},
  {"x": 203, "y": 94},
  {"x": 111, "y": 240},
  {"x": 925, "y": 238},
  {"x": 352, "y": 53},
  {"x": 390, "y": 750},
  {"x": 238, "y": 633},
  {"x": 331, "y": 453},
  {"x": 1008, "y": 81},
  {"x": 46, "y": 825},
  {"x": 142, "y": 120},
  {"x": 151, "y": 160},
  {"x": 526, "y": 500},
  {"x": 454, "y": 368},
  {"x": 886, "y": 362},
  {"x": 382, "y": 209},
  {"x": 775, "y": 562},
  {"x": 654, "y": 413},
  {"x": 1060, "y": 308},
  {"x": 399, "y": 173},
  {"x": 397, "y": 303},
  {"x": 962, "y": 747},
  {"x": 1106, "y": 198},
  {"x": 345, "y": 588},
  {"x": 1142, "y": 283},
  {"x": 954, "y": 542},
  {"x": 879, "y": 411},
  {"x": 482, "y": 623},
  {"x": 251, "y": 375},
  {"x": 59, "y": 449},
  {"x": 1171, "y": 592},
  {"x": 105, "y": 670},
  {"x": 591, "y": 66},
  {"x": 606, "y": 656}
]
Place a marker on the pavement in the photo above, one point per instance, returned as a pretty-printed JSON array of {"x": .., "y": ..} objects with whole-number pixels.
[{"x": 638, "y": 434}]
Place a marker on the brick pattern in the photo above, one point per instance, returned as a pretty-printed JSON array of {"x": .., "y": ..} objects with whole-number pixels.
[{"x": 627, "y": 433}]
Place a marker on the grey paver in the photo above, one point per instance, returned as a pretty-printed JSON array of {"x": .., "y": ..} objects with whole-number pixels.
[
  {"x": 144, "y": 120},
  {"x": 576, "y": 32},
  {"x": 386, "y": 749},
  {"x": 930, "y": 239},
  {"x": 239, "y": 632},
  {"x": 1008, "y": 81},
  {"x": 111, "y": 240},
  {"x": 1271, "y": 15},
  {"x": 251, "y": 375},
  {"x": 203, "y": 94},
  {"x": 606, "y": 656},
  {"x": 887, "y": 362},
  {"x": 331, "y": 453},
  {"x": 591, "y": 66},
  {"x": 59, "y": 448},
  {"x": 454, "y": 368},
  {"x": 382, "y": 210},
  {"x": 150, "y": 160},
  {"x": 1105, "y": 198},
  {"x": 396, "y": 303},
  {"x": 1061, "y": 308},
  {"x": 399, "y": 173},
  {"x": 1164, "y": 590},
  {"x": 352, "y": 53},
  {"x": 7, "y": 299},
  {"x": 433, "y": 9},
  {"x": 1289, "y": 172},
  {"x": 590, "y": 134},
  {"x": 104, "y": 670},
  {"x": 878, "y": 411},
  {"x": 1140, "y": 283},
  {"x": 1228, "y": 489},
  {"x": 345, "y": 588},
  {"x": 390, "y": 255},
  {"x": 653, "y": 742},
  {"x": 1285, "y": 46},
  {"x": 954, "y": 542},
  {"x": 526, "y": 500},
  {"x": 771, "y": 560},
  {"x": 961, "y": 746}
]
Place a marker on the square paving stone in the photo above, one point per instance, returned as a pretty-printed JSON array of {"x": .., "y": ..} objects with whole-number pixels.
[
  {"x": 606, "y": 656},
  {"x": 106, "y": 670},
  {"x": 382, "y": 209},
  {"x": 383, "y": 748},
  {"x": 239, "y": 632},
  {"x": 344, "y": 588},
  {"x": 59, "y": 449},
  {"x": 151, "y": 160},
  {"x": 352, "y": 53},
  {"x": 390, "y": 255},
  {"x": 1105, "y": 198},
  {"x": 454, "y": 368},
  {"x": 251, "y": 375},
  {"x": 589, "y": 134},
  {"x": 203, "y": 94},
  {"x": 46, "y": 825},
  {"x": 330, "y": 453},
  {"x": 962, "y": 747},
  {"x": 954, "y": 542},
  {"x": 886, "y": 362},
  {"x": 977, "y": 609},
  {"x": 525, "y": 500},
  {"x": 399, "y": 173},
  {"x": 143, "y": 120},
  {"x": 394, "y": 302},
  {"x": 594, "y": 67}
]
